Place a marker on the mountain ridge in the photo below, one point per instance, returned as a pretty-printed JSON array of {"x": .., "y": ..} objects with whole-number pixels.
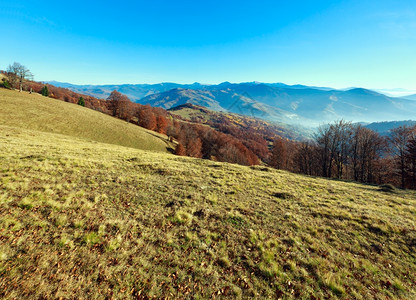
[{"x": 297, "y": 104}]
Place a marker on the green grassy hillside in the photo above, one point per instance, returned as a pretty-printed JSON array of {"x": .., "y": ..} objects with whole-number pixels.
[
  {"x": 93, "y": 220},
  {"x": 35, "y": 112}
]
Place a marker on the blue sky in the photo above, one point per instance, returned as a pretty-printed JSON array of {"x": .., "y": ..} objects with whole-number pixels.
[{"x": 328, "y": 43}]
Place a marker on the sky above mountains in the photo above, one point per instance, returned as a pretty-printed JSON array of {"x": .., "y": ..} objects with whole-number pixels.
[{"x": 340, "y": 44}]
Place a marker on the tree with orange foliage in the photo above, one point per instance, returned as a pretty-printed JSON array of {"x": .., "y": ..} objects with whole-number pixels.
[
  {"x": 161, "y": 124},
  {"x": 194, "y": 148},
  {"x": 180, "y": 150},
  {"x": 119, "y": 105},
  {"x": 147, "y": 118}
]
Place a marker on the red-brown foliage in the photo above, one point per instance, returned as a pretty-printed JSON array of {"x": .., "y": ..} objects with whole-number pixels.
[
  {"x": 180, "y": 150},
  {"x": 120, "y": 106},
  {"x": 279, "y": 158},
  {"x": 147, "y": 118},
  {"x": 161, "y": 124},
  {"x": 203, "y": 141}
]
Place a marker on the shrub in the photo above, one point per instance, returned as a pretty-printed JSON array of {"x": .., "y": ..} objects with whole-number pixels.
[
  {"x": 81, "y": 101},
  {"x": 6, "y": 84},
  {"x": 45, "y": 91}
]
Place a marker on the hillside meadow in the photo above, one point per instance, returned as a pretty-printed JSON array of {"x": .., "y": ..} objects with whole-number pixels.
[
  {"x": 83, "y": 219},
  {"x": 35, "y": 112}
]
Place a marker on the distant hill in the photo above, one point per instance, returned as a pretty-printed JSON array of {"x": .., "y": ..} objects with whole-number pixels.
[
  {"x": 134, "y": 91},
  {"x": 230, "y": 121},
  {"x": 384, "y": 128},
  {"x": 292, "y": 104},
  {"x": 226, "y": 100},
  {"x": 410, "y": 97},
  {"x": 180, "y": 96},
  {"x": 35, "y": 112}
]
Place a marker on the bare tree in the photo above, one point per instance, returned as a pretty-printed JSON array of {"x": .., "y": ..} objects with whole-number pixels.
[
  {"x": 18, "y": 74},
  {"x": 279, "y": 154},
  {"x": 307, "y": 160},
  {"x": 366, "y": 149},
  {"x": 411, "y": 161},
  {"x": 399, "y": 139},
  {"x": 342, "y": 133},
  {"x": 348, "y": 151},
  {"x": 333, "y": 141},
  {"x": 323, "y": 140}
]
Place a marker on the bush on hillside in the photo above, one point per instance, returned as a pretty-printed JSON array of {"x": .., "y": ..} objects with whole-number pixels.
[
  {"x": 81, "y": 101},
  {"x": 6, "y": 84},
  {"x": 45, "y": 91}
]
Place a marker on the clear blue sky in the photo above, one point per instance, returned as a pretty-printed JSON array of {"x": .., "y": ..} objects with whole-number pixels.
[{"x": 329, "y": 43}]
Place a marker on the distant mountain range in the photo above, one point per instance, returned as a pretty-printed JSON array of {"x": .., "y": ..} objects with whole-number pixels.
[{"x": 292, "y": 104}]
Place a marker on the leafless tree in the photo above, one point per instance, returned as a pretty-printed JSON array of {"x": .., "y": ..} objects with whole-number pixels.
[
  {"x": 366, "y": 149},
  {"x": 306, "y": 159},
  {"x": 18, "y": 74},
  {"x": 411, "y": 161},
  {"x": 333, "y": 141},
  {"x": 279, "y": 156},
  {"x": 399, "y": 139}
]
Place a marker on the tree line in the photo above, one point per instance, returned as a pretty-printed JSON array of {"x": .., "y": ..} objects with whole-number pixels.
[
  {"x": 348, "y": 151},
  {"x": 193, "y": 140}
]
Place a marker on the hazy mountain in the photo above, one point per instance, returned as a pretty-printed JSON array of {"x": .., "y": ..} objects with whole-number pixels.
[
  {"x": 179, "y": 96},
  {"x": 216, "y": 119},
  {"x": 138, "y": 91},
  {"x": 398, "y": 92},
  {"x": 306, "y": 106},
  {"x": 134, "y": 91},
  {"x": 384, "y": 127},
  {"x": 293, "y": 104},
  {"x": 410, "y": 97},
  {"x": 222, "y": 100}
]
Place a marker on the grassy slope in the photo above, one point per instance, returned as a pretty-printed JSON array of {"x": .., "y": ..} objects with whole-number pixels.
[
  {"x": 188, "y": 113},
  {"x": 45, "y": 114},
  {"x": 82, "y": 219}
]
